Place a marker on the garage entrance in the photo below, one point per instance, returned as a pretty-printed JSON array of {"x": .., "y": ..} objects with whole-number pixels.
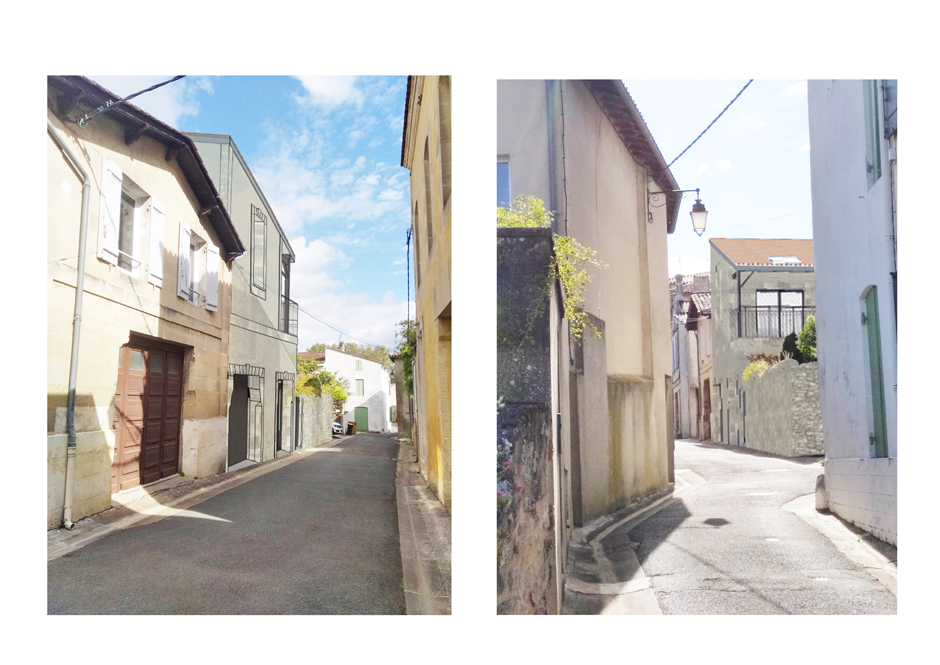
[{"x": 147, "y": 404}]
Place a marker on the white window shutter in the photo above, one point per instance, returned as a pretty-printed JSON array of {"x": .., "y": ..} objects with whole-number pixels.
[
  {"x": 157, "y": 219},
  {"x": 183, "y": 276},
  {"x": 110, "y": 211},
  {"x": 212, "y": 278}
]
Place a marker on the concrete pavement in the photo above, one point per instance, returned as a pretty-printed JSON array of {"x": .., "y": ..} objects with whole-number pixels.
[
  {"x": 727, "y": 540},
  {"x": 313, "y": 532}
]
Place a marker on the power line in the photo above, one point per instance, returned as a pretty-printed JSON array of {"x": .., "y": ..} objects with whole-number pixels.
[
  {"x": 107, "y": 106},
  {"x": 336, "y": 328},
  {"x": 711, "y": 123}
]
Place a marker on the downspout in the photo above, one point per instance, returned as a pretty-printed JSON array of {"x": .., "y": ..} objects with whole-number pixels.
[
  {"x": 550, "y": 113},
  {"x": 76, "y": 329}
]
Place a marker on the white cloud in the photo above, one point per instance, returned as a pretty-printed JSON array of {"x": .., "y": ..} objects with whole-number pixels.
[
  {"x": 330, "y": 91},
  {"x": 354, "y": 137},
  {"x": 702, "y": 167},
  {"x": 793, "y": 94},
  {"x": 391, "y": 194},
  {"x": 168, "y": 103},
  {"x": 724, "y": 164}
]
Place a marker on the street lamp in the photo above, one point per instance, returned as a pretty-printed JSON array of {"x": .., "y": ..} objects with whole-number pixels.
[{"x": 698, "y": 214}]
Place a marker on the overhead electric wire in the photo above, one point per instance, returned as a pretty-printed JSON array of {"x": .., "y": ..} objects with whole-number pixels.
[
  {"x": 336, "y": 328},
  {"x": 711, "y": 123},
  {"x": 110, "y": 105}
]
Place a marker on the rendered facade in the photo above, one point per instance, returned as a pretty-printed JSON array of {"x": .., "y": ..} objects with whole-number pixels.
[
  {"x": 691, "y": 355},
  {"x": 426, "y": 146},
  {"x": 153, "y": 286},
  {"x": 263, "y": 340},
  {"x": 853, "y": 161},
  {"x": 370, "y": 394},
  {"x": 595, "y": 166}
]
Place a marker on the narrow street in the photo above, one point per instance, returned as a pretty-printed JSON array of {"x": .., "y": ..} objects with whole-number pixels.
[
  {"x": 318, "y": 536},
  {"x": 730, "y": 547}
]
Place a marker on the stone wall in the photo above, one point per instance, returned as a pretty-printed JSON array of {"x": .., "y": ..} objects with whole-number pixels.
[
  {"x": 783, "y": 415},
  {"x": 316, "y": 427},
  {"x": 526, "y": 566}
]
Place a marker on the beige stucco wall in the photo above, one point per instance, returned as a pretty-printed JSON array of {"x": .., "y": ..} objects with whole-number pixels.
[
  {"x": 783, "y": 414},
  {"x": 117, "y": 304},
  {"x": 433, "y": 290},
  {"x": 621, "y": 453}
]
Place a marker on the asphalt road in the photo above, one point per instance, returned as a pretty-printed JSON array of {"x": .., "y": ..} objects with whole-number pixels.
[
  {"x": 319, "y": 536},
  {"x": 728, "y": 548}
]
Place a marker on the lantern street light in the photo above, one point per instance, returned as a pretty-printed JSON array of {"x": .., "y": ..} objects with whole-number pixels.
[{"x": 698, "y": 214}]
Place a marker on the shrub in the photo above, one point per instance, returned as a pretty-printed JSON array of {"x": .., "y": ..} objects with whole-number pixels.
[
  {"x": 757, "y": 367},
  {"x": 807, "y": 340}
]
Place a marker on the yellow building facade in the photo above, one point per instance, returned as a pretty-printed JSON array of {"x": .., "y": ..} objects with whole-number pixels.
[{"x": 426, "y": 152}]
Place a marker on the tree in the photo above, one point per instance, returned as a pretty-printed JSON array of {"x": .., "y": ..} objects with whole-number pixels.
[
  {"x": 807, "y": 341},
  {"x": 378, "y": 353},
  {"x": 408, "y": 341}
]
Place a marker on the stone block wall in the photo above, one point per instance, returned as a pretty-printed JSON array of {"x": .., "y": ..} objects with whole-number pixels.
[
  {"x": 526, "y": 560},
  {"x": 783, "y": 414},
  {"x": 317, "y": 427}
]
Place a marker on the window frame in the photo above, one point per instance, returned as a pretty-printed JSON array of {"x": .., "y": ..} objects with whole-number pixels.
[
  {"x": 360, "y": 388},
  {"x": 504, "y": 159},
  {"x": 258, "y": 217}
]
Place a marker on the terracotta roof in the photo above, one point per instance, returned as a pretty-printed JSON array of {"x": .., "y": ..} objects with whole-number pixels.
[
  {"x": 316, "y": 355},
  {"x": 758, "y": 251},
  {"x": 702, "y": 302},
  {"x": 697, "y": 283}
]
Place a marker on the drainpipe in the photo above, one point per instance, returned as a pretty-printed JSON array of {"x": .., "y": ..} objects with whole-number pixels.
[{"x": 76, "y": 328}]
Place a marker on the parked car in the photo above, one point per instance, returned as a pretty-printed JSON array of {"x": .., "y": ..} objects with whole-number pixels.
[{"x": 337, "y": 428}]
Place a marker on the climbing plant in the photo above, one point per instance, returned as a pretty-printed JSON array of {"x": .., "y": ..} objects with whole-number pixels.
[{"x": 569, "y": 261}]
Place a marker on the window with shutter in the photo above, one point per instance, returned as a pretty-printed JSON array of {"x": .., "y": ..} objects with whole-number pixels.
[
  {"x": 212, "y": 277},
  {"x": 110, "y": 212},
  {"x": 157, "y": 225},
  {"x": 184, "y": 274}
]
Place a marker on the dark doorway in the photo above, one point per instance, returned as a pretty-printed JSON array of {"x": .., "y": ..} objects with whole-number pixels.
[{"x": 238, "y": 421}]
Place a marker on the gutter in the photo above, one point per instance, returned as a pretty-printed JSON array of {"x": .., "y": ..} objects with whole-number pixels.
[{"x": 76, "y": 328}]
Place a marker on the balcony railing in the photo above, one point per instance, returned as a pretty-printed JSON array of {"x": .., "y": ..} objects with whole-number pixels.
[
  {"x": 288, "y": 322},
  {"x": 773, "y": 320}
]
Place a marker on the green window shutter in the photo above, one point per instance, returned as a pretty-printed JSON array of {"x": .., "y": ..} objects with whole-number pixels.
[
  {"x": 360, "y": 388},
  {"x": 879, "y": 438},
  {"x": 358, "y": 365}
]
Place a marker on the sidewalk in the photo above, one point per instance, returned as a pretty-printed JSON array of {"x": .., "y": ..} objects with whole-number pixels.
[
  {"x": 604, "y": 575},
  {"x": 425, "y": 536}
]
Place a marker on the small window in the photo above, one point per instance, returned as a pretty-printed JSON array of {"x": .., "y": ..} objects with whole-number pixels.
[
  {"x": 360, "y": 387},
  {"x": 259, "y": 230},
  {"x": 173, "y": 365},
  {"x": 358, "y": 365},
  {"x": 503, "y": 192}
]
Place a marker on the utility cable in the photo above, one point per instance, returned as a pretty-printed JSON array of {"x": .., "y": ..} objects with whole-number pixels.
[
  {"x": 336, "y": 328},
  {"x": 111, "y": 104},
  {"x": 711, "y": 123}
]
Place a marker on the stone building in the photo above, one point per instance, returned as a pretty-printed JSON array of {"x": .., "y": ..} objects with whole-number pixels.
[
  {"x": 263, "y": 338},
  {"x": 762, "y": 290},
  {"x": 426, "y": 147},
  {"x": 853, "y": 166},
  {"x": 140, "y": 249},
  {"x": 691, "y": 355}
]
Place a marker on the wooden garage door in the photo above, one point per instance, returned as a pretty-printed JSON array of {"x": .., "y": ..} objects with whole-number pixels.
[{"x": 148, "y": 401}]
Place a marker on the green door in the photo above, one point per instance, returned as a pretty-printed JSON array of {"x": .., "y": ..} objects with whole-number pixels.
[
  {"x": 362, "y": 419},
  {"x": 879, "y": 438}
]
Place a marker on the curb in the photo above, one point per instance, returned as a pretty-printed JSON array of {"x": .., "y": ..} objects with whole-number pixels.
[{"x": 425, "y": 540}]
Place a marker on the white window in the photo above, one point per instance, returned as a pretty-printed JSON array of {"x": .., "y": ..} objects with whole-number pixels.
[
  {"x": 121, "y": 220},
  {"x": 198, "y": 270}
]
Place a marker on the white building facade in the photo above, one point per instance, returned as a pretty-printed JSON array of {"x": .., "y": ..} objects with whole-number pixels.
[
  {"x": 853, "y": 159},
  {"x": 369, "y": 394}
]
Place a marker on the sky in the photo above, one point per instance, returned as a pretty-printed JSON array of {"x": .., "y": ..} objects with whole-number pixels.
[
  {"x": 752, "y": 166},
  {"x": 326, "y": 152}
]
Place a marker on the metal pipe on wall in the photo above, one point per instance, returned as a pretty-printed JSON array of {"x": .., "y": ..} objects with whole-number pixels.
[{"x": 76, "y": 328}]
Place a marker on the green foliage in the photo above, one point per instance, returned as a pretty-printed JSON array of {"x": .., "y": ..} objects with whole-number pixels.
[
  {"x": 312, "y": 379},
  {"x": 757, "y": 367},
  {"x": 569, "y": 262},
  {"x": 807, "y": 340},
  {"x": 570, "y": 265},
  {"x": 528, "y": 212},
  {"x": 408, "y": 337}
]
